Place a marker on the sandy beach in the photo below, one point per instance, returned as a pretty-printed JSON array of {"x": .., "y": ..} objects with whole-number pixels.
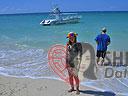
[{"x": 12, "y": 86}]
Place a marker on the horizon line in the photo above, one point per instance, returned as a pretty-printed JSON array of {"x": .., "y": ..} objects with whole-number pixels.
[{"x": 61, "y": 12}]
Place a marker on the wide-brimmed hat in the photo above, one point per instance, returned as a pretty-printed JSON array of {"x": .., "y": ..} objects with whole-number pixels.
[{"x": 71, "y": 34}]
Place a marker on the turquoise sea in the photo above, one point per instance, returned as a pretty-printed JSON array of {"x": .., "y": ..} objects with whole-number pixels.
[
  {"x": 25, "y": 30},
  {"x": 24, "y": 43}
]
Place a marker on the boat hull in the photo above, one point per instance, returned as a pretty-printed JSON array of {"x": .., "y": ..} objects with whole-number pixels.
[{"x": 59, "y": 22}]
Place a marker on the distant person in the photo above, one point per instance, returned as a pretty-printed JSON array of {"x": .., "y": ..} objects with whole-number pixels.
[
  {"x": 71, "y": 54},
  {"x": 102, "y": 40}
]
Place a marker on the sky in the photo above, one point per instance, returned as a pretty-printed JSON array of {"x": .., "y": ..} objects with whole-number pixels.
[{"x": 35, "y": 6}]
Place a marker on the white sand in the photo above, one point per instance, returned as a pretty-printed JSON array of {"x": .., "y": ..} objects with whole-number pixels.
[{"x": 11, "y": 86}]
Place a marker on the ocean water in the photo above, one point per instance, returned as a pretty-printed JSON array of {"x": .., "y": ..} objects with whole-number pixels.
[
  {"x": 24, "y": 43},
  {"x": 25, "y": 30}
]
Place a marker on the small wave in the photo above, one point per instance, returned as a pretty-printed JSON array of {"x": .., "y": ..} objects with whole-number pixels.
[
  {"x": 43, "y": 77},
  {"x": 5, "y": 37},
  {"x": 25, "y": 62},
  {"x": 117, "y": 86},
  {"x": 2, "y": 55}
]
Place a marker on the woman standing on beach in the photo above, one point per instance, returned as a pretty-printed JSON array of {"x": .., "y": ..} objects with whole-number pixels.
[{"x": 72, "y": 71}]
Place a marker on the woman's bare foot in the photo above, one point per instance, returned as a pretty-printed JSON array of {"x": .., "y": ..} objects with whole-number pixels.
[
  {"x": 70, "y": 90},
  {"x": 77, "y": 92}
]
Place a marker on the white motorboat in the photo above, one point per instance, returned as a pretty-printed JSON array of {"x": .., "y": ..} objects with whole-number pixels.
[{"x": 61, "y": 18}]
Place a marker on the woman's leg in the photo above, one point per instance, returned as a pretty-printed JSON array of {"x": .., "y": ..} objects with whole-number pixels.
[
  {"x": 77, "y": 84},
  {"x": 71, "y": 81}
]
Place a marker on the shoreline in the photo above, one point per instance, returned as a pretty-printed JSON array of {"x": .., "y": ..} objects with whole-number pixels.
[
  {"x": 12, "y": 86},
  {"x": 41, "y": 87}
]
